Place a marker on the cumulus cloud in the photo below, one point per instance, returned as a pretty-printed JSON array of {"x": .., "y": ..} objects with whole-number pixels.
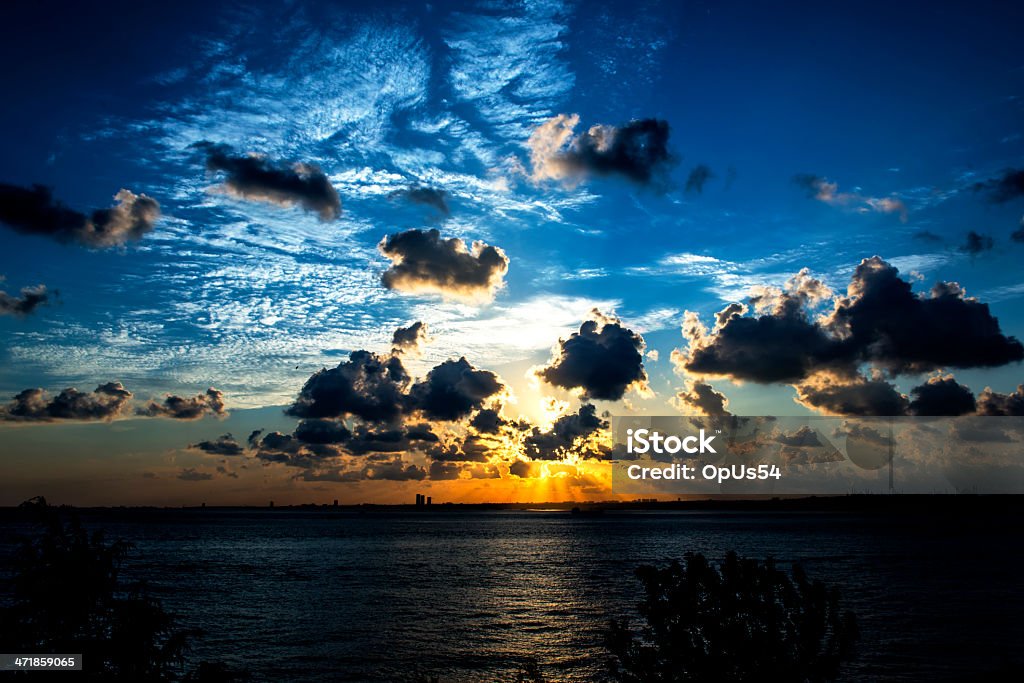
[
  {"x": 859, "y": 396},
  {"x": 453, "y": 390},
  {"x": 34, "y": 211},
  {"x": 257, "y": 178},
  {"x": 1009, "y": 185},
  {"x": 822, "y": 190},
  {"x": 106, "y": 402},
  {"x": 210, "y": 402},
  {"x": 421, "y": 261},
  {"x": 570, "y": 434},
  {"x": 28, "y": 301},
  {"x": 637, "y": 151},
  {"x": 367, "y": 386},
  {"x": 942, "y": 395},
  {"x": 603, "y": 360},
  {"x": 880, "y": 321},
  {"x": 997, "y": 404},
  {"x": 425, "y": 196},
  {"x": 222, "y": 445},
  {"x": 703, "y": 398},
  {"x": 410, "y": 339},
  {"x": 698, "y": 177}
]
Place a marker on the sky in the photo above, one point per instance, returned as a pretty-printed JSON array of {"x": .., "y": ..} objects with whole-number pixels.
[{"x": 313, "y": 251}]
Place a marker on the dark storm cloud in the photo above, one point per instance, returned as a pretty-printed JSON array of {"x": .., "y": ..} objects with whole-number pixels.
[
  {"x": 222, "y": 445},
  {"x": 34, "y": 211},
  {"x": 700, "y": 175},
  {"x": 604, "y": 359},
  {"x": 880, "y": 321},
  {"x": 637, "y": 151},
  {"x": 1009, "y": 185},
  {"x": 975, "y": 243},
  {"x": 560, "y": 440},
  {"x": 453, "y": 390},
  {"x": 704, "y": 398},
  {"x": 809, "y": 183},
  {"x": 994, "y": 403},
  {"x": 410, "y": 339},
  {"x": 34, "y": 405},
  {"x": 186, "y": 408},
  {"x": 367, "y": 386},
  {"x": 284, "y": 184},
  {"x": 859, "y": 396},
  {"x": 29, "y": 300},
  {"x": 192, "y": 474},
  {"x": 426, "y": 196},
  {"x": 421, "y": 261},
  {"x": 942, "y": 396}
]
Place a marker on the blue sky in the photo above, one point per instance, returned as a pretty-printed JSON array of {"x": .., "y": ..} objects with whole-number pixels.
[{"x": 907, "y": 102}]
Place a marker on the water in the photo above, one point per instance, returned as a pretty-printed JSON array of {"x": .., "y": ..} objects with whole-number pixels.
[{"x": 473, "y": 596}]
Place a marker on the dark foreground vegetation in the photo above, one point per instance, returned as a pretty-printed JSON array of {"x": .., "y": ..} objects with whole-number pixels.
[{"x": 65, "y": 595}]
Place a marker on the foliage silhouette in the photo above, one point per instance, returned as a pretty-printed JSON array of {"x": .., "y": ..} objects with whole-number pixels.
[
  {"x": 745, "y": 620},
  {"x": 66, "y": 597}
]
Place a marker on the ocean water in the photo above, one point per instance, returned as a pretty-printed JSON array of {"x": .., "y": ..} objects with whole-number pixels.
[{"x": 472, "y": 596}]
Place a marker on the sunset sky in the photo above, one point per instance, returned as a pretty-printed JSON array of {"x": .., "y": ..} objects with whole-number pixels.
[{"x": 302, "y": 252}]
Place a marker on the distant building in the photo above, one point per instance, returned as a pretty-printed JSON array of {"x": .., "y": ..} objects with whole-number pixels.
[
  {"x": 428, "y": 500},
  {"x": 419, "y": 499},
  {"x": 271, "y": 503},
  {"x": 335, "y": 502}
]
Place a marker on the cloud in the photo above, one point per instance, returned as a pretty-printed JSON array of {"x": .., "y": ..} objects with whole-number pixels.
[
  {"x": 322, "y": 431},
  {"x": 880, "y": 321},
  {"x": 1018, "y": 234},
  {"x": 34, "y": 211},
  {"x": 604, "y": 360},
  {"x": 840, "y": 395},
  {"x": 976, "y": 243},
  {"x": 367, "y": 386},
  {"x": 822, "y": 190},
  {"x": 702, "y": 397},
  {"x": 1008, "y": 186},
  {"x": 192, "y": 474},
  {"x": 29, "y": 300},
  {"x": 186, "y": 408},
  {"x": 570, "y": 434},
  {"x": 421, "y": 261},
  {"x": 34, "y": 405},
  {"x": 453, "y": 390},
  {"x": 257, "y": 178},
  {"x": 994, "y": 403},
  {"x": 410, "y": 339},
  {"x": 942, "y": 395},
  {"x": 222, "y": 445},
  {"x": 637, "y": 151},
  {"x": 425, "y": 196},
  {"x": 700, "y": 174}
]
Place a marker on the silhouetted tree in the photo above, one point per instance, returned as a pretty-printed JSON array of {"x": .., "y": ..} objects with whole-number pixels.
[
  {"x": 746, "y": 620},
  {"x": 66, "y": 597}
]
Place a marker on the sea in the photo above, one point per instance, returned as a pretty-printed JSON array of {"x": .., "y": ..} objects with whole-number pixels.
[{"x": 477, "y": 595}]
